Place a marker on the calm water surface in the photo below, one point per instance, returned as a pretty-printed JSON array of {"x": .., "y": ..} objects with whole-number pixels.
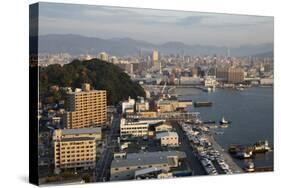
[{"x": 251, "y": 113}]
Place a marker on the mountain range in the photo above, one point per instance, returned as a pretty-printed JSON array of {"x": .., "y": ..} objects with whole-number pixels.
[{"x": 76, "y": 44}]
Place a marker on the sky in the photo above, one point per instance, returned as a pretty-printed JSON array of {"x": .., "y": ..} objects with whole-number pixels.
[{"x": 155, "y": 26}]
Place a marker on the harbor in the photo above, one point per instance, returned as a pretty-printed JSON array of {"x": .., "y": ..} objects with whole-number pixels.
[
  {"x": 245, "y": 127},
  {"x": 212, "y": 157}
]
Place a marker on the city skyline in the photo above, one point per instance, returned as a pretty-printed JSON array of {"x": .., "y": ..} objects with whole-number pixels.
[{"x": 148, "y": 25}]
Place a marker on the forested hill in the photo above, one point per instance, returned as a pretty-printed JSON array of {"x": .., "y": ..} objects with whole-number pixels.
[{"x": 100, "y": 74}]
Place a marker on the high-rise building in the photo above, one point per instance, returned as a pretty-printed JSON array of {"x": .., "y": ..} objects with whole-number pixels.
[
  {"x": 85, "y": 108},
  {"x": 154, "y": 57},
  {"x": 114, "y": 60},
  {"x": 222, "y": 73},
  {"x": 231, "y": 75},
  {"x": 235, "y": 75},
  {"x": 104, "y": 56},
  {"x": 194, "y": 71},
  {"x": 75, "y": 148}
]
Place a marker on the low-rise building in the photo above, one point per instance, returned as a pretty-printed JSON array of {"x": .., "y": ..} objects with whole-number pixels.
[
  {"x": 128, "y": 106},
  {"x": 163, "y": 127},
  {"x": 266, "y": 81},
  {"x": 133, "y": 129},
  {"x": 142, "y": 106},
  {"x": 170, "y": 139},
  {"x": 147, "y": 114},
  {"x": 172, "y": 105},
  {"x": 125, "y": 168},
  {"x": 137, "y": 127},
  {"x": 152, "y": 173}
]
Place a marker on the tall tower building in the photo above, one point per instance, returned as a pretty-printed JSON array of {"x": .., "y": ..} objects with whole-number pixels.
[
  {"x": 154, "y": 57},
  {"x": 104, "y": 56},
  {"x": 86, "y": 108}
]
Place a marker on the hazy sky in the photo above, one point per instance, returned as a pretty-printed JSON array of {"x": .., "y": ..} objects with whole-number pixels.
[{"x": 155, "y": 26}]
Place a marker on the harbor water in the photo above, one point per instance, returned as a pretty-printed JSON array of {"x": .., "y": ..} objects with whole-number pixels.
[{"x": 251, "y": 114}]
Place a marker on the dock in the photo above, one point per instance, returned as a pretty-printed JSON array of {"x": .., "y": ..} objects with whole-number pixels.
[{"x": 233, "y": 166}]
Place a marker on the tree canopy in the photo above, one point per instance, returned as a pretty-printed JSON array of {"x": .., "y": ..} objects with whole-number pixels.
[{"x": 100, "y": 74}]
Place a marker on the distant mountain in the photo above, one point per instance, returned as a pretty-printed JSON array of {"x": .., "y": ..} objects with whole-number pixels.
[
  {"x": 265, "y": 54},
  {"x": 76, "y": 44}
]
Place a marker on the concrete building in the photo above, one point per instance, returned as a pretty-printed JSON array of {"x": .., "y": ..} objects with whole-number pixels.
[
  {"x": 266, "y": 81},
  {"x": 222, "y": 73},
  {"x": 170, "y": 139},
  {"x": 104, "y": 56},
  {"x": 142, "y": 105},
  {"x": 147, "y": 114},
  {"x": 152, "y": 173},
  {"x": 194, "y": 72},
  {"x": 133, "y": 129},
  {"x": 210, "y": 81},
  {"x": 172, "y": 105},
  {"x": 186, "y": 80},
  {"x": 235, "y": 75},
  {"x": 85, "y": 108},
  {"x": 137, "y": 128},
  {"x": 125, "y": 168},
  {"x": 114, "y": 60},
  {"x": 154, "y": 57},
  {"x": 231, "y": 75},
  {"x": 75, "y": 148},
  {"x": 129, "y": 105},
  {"x": 163, "y": 127}
]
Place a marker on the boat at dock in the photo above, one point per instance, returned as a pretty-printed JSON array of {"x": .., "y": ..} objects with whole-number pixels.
[
  {"x": 202, "y": 104},
  {"x": 240, "y": 88},
  {"x": 261, "y": 147},
  {"x": 224, "y": 125},
  {"x": 244, "y": 152},
  {"x": 209, "y": 122},
  {"x": 250, "y": 167},
  {"x": 224, "y": 122}
]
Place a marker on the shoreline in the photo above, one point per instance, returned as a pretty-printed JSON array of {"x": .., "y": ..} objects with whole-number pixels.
[{"x": 227, "y": 157}]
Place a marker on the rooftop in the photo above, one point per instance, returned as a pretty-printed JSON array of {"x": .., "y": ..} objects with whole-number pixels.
[
  {"x": 86, "y": 92},
  {"x": 95, "y": 130},
  {"x": 77, "y": 139},
  {"x": 146, "y": 158},
  {"x": 164, "y": 134}
]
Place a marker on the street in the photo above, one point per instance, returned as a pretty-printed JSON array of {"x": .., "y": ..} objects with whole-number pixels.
[
  {"x": 185, "y": 146},
  {"x": 103, "y": 165}
]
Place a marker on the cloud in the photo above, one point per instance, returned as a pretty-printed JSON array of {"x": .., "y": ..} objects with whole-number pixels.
[
  {"x": 156, "y": 26},
  {"x": 192, "y": 20}
]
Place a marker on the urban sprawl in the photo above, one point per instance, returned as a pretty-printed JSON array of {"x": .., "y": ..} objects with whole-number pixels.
[{"x": 83, "y": 139}]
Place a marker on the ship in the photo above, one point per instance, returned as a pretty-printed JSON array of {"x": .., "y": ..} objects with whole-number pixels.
[
  {"x": 261, "y": 147},
  {"x": 250, "y": 167},
  {"x": 209, "y": 122},
  {"x": 244, "y": 154},
  {"x": 224, "y": 122},
  {"x": 202, "y": 104},
  {"x": 224, "y": 125},
  {"x": 240, "y": 88}
]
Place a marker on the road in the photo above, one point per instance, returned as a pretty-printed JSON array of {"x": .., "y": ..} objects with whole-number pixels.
[
  {"x": 103, "y": 166},
  {"x": 185, "y": 146}
]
